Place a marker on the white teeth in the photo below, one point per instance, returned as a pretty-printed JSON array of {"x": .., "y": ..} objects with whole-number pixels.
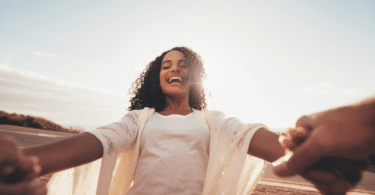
[{"x": 173, "y": 78}]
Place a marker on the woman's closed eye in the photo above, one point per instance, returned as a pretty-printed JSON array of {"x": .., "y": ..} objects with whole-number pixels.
[{"x": 182, "y": 64}]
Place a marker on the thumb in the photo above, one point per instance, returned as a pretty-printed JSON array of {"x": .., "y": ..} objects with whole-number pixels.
[{"x": 298, "y": 160}]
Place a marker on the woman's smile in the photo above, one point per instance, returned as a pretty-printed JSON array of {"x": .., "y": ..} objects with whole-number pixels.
[
  {"x": 175, "y": 80},
  {"x": 174, "y": 74}
]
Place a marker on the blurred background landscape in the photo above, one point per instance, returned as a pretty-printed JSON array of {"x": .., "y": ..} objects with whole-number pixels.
[
  {"x": 73, "y": 62},
  {"x": 67, "y": 66},
  {"x": 21, "y": 120}
]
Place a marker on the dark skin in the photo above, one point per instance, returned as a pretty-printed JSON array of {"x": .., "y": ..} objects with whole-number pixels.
[
  {"x": 68, "y": 153},
  {"x": 12, "y": 159},
  {"x": 338, "y": 141},
  {"x": 264, "y": 143},
  {"x": 85, "y": 147}
]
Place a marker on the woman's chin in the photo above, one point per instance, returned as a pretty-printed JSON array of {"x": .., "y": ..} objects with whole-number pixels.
[{"x": 176, "y": 93}]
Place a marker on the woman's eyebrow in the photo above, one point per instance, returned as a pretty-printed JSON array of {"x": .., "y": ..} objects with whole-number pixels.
[
  {"x": 166, "y": 62},
  {"x": 169, "y": 61}
]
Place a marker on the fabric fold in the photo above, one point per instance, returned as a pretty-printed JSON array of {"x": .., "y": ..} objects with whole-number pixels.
[{"x": 230, "y": 169}]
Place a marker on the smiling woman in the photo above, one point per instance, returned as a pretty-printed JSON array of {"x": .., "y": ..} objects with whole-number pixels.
[
  {"x": 174, "y": 78},
  {"x": 167, "y": 143},
  {"x": 181, "y": 61}
]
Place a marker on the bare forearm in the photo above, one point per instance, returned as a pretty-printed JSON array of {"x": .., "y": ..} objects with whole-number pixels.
[
  {"x": 71, "y": 152},
  {"x": 265, "y": 145}
]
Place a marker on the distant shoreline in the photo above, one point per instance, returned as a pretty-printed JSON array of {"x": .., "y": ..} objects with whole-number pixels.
[{"x": 22, "y": 120}]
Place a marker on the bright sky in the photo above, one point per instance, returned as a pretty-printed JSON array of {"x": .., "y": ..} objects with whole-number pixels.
[{"x": 269, "y": 62}]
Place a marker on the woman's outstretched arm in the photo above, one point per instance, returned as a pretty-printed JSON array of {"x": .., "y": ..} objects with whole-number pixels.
[
  {"x": 265, "y": 145},
  {"x": 73, "y": 151}
]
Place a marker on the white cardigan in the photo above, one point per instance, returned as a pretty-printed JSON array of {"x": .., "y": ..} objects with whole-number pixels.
[{"x": 230, "y": 170}]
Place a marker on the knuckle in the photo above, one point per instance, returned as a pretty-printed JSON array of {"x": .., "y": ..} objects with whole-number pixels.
[{"x": 302, "y": 120}]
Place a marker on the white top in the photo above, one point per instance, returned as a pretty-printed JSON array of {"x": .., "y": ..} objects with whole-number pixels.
[
  {"x": 173, "y": 156},
  {"x": 230, "y": 169}
]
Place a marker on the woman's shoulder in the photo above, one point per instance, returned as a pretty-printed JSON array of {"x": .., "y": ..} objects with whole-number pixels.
[
  {"x": 139, "y": 113},
  {"x": 209, "y": 113}
]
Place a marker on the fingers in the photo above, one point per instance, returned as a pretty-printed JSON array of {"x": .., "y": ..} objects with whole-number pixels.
[
  {"x": 14, "y": 166},
  {"x": 343, "y": 169},
  {"x": 302, "y": 157},
  {"x": 306, "y": 121},
  {"x": 10, "y": 157},
  {"x": 327, "y": 182},
  {"x": 9, "y": 150},
  {"x": 327, "y": 179},
  {"x": 320, "y": 176},
  {"x": 334, "y": 175},
  {"x": 293, "y": 138},
  {"x": 341, "y": 187},
  {"x": 17, "y": 172},
  {"x": 8, "y": 170},
  {"x": 26, "y": 170},
  {"x": 337, "y": 188},
  {"x": 31, "y": 167},
  {"x": 34, "y": 187}
]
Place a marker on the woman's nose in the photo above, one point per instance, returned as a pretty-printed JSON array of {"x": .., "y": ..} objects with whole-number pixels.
[{"x": 175, "y": 68}]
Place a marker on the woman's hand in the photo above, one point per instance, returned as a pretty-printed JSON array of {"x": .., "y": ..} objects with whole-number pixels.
[
  {"x": 17, "y": 172},
  {"x": 33, "y": 187}
]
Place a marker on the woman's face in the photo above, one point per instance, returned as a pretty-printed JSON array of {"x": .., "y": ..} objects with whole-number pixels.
[{"x": 174, "y": 79}]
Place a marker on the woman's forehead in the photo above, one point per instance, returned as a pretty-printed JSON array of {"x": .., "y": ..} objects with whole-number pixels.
[{"x": 173, "y": 55}]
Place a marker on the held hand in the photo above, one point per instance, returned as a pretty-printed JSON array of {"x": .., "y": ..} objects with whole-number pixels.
[
  {"x": 17, "y": 172},
  {"x": 330, "y": 175},
  {"x": 347, "y": 132},
  {"x": 33, "y": 187}
]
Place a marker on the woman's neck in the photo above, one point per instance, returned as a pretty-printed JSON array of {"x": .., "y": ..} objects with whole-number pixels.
[{"x": 177, "y": 106}]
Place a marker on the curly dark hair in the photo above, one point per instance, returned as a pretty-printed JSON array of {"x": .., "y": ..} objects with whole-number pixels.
[{"x": 146, "y": 90}]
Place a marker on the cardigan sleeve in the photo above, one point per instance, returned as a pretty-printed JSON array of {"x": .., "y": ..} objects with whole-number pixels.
[
  {"x": 119, "y": 135},
  {"x": 230, "y": 128},
  {"x": 231, "y": 170}
]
